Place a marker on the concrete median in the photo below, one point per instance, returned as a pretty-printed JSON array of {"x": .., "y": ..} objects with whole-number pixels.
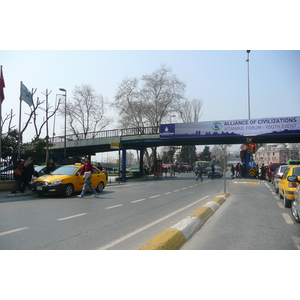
[{"x": 173, "y": 238}]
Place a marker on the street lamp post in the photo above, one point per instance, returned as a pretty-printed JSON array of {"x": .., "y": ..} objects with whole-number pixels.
[
  {"x": 247, "y": 60},
  {"x": 65, "y": 139}
]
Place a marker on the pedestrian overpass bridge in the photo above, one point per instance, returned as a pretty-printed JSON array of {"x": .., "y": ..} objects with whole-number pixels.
[{"x": 267, "y": 130}]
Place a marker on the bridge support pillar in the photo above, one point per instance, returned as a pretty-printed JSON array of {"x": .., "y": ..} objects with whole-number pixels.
[
  {"x": 141, "y": 161},
  {"x": 123, "y": 165}
]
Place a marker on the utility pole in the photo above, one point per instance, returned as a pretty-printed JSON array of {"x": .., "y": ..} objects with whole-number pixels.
[
  {"x": 47, "y": 128},
  {"x": 247, "y": 60}
]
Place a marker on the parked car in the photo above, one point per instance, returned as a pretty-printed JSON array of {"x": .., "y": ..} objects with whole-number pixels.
[
  {"x": 7, "y": 172},
  {"x": 287, "y": 188},
  {"x": 271, "y": 170},
  {"x": 278, "y": 176},
  {"x": 66, "y": 180},
  {"x": 217, "y": 173},
  {"x": 296, "y": 202}
]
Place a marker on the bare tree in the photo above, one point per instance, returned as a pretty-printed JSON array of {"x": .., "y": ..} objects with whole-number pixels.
[
  {"x": 158, "y": 96},
  {"x": 150, "y": 100},
  {"x": 8, "y": 118},
  {"x": 190, "y": 111},
  {"x": 86, "y": 113}
]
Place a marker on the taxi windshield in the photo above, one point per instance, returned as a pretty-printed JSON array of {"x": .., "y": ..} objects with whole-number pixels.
[{"x": 65, "y": 170}]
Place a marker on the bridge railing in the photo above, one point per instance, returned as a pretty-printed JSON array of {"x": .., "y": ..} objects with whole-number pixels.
[
  {"x": 107, "y": 133},
  {"x": 140, "y": 131}
]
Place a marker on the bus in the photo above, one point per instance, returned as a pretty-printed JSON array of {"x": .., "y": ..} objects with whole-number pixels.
[{"x": 293, "y": 162}]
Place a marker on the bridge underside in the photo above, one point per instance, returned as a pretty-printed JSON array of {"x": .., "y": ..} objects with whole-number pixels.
[{"x": 91, "y": 147}]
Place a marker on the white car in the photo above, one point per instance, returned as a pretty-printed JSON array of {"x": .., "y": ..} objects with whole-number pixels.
[{"x": 278, "y": 176}]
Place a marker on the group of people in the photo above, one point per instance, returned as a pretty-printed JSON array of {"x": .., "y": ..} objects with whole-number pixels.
[
  {"x": 23, "y": 172},
  {"x": 238, "y": 171},
  {"x": 200, "y": 172}
]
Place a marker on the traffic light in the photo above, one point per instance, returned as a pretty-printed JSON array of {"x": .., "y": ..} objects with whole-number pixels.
[
  {"x": 242, "y": 154},
  {"x": 251, "y": 148}
]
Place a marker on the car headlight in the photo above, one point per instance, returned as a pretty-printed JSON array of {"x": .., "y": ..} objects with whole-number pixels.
[{"x": 55, "y": 182}]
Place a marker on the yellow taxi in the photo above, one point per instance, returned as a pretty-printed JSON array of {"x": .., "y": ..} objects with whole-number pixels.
[
  {"x": 66, "y": 180},
  {"x": 287, "y": 188}
]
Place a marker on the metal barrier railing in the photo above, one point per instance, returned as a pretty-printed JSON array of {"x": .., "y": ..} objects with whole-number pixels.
[{"x": 107, "y": 133}]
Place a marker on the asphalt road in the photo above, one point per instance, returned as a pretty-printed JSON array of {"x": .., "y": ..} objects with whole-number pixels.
[
  {"x": 252, "y": 218},
  {"x": 128, "y": 215},
  {"x": 123, "y": 217}
]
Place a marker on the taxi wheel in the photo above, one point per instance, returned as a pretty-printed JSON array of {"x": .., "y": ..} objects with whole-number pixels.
[
  {"x": 100, "y": 187},
  {"x": 295, "y": 212},
  {"x": 68, "y": 190}
]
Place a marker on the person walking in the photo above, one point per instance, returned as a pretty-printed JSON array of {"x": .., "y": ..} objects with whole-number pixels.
[
  {"x": 19, "y": 167},
  {"x": 212, "y": 171},
  {"x": 28, "y": 172},
  {"x": 199, "y": 170},
  {"x": 232, "y": 171},
  {"x": 87, "y": 171},
  {"x": 237, "y": 169}
]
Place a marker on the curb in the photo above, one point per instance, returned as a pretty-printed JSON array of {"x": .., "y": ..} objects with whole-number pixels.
[{"x": 174, "y": 237}]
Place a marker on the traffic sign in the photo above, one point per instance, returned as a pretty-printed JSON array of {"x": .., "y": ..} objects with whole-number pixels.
[
  {"x": 252, "y": 172},
  {"x": 244, "y": 147},
  {"x": 114, "y": 145}
]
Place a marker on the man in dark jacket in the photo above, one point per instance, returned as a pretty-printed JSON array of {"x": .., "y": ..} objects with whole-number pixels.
[{"x": 28, "y": 172}]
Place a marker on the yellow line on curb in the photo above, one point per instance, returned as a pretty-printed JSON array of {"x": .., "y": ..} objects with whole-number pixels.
[
  {"x": 170, "y": 239},
  {"x": 173, "y": 239}
]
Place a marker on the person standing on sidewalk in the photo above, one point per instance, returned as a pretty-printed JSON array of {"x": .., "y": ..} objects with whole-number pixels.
[
  {"x": 18, "y": 176},
  {"x": 87, "y": 171},
  {"x": 28, "y": 172}
]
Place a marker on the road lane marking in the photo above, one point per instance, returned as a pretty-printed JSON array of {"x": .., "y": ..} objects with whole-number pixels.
[
  {"x": 287, "y": 218},
  {"x": 154, "y": 196},
  {"x": 280, "y": 205},
  {"x": 184, "y": 188},
  {"x": 135, "y": 201},
  {"x": 167, "y": 193},
  {"x": 176, "y": 191},
  {"x": 296, "y": 241},
  {"x": 113, "y": 206},
  {"x": 12, "y": 231},
  {"x": 71, "y": 217},
  {"x": 147, "y": 226},
  {"x": 191, "y": 186}
]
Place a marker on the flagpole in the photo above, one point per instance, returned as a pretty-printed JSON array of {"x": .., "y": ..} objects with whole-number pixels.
[
  {"x": 1, "y": 100},
  {"x": 1, "y": 128},
  {"x": 19, "y": 139}
]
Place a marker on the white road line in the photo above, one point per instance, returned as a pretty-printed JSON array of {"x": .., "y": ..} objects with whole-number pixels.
[
  {"x": 113, "y": 206},
  {"x": 176, "y": 191},
  {"x": 296, "y": 240},
  {"x": 71, "y": 217},
  {"x": 135, "y": 201},
  {"x": 184, "y": 188},
  {"x": 280, "y": 205},
  {"x": 191, "y": 186},
  {"x": 154, "y": 196},
  {"x": 147, "y": 226},
  {"x": 287, "y": 218},
  {"x": 12, "y": 231},
  {"x": 167, "y": 193}
]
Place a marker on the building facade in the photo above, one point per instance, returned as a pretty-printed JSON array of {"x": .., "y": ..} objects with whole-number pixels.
[{"x": 276, "y": 153}]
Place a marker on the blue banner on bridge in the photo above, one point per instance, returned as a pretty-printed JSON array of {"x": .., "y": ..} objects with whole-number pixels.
[{"x": 246, "y": 127}]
